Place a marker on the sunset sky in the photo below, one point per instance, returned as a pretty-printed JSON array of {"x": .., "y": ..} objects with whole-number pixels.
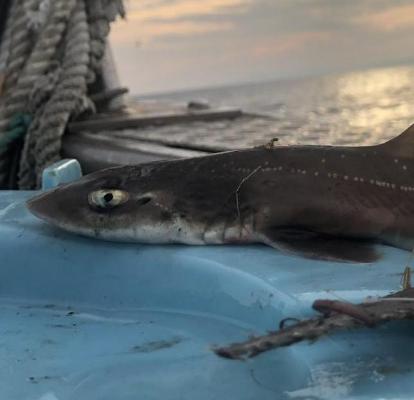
[{"x": 166, "y": 45}]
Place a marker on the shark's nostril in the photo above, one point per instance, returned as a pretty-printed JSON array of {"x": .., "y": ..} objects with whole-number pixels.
[{"x": 144, "y": 200}]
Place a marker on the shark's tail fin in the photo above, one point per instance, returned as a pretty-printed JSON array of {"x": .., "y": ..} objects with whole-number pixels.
[{"x": 402, "y": 145}]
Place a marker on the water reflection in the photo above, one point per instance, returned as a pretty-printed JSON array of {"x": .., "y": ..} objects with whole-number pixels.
[
  {"x": 356, "y": 108},
  {"x": 372, "y": 100}
]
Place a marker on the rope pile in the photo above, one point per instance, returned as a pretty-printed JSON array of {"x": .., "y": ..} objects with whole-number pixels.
[{"x": 50, "y": 54}]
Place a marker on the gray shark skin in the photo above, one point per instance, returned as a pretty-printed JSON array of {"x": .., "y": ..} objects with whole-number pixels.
[{"x": 323, "y": 202}]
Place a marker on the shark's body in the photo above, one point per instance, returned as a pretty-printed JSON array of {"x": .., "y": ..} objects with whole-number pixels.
[{"x": 313, "y": 199}]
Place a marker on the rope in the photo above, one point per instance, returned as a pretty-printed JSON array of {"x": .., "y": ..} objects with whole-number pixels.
[
  {"x": 20, "y": 40},
  {"x": 52, "y": 51},
  {"x": 42, "y": 144},
  {"x": 6, "y": 39},
  {"x": 10, "y": 59},
  {"x": 27, "y": 63},
  {"x": 101, "y": 13}
]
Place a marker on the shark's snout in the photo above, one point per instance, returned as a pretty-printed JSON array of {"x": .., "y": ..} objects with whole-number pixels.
[
  {"x": 98, "y": 210},
  {"x": 56, "y": 207},
  {"x": 61, "y": 208},
  {"x": 41, "y": 206}
]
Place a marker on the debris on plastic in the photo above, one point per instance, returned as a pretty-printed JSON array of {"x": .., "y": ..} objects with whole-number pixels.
[{"x": 336, "y": 315}]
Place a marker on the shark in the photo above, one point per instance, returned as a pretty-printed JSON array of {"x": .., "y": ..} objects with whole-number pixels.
[{"x": 326, "y": 202}]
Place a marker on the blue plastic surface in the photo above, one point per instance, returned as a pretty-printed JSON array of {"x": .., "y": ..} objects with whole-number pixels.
[
  {"x": 87, "y": 319},
  {"x": 64, "y": 171}
]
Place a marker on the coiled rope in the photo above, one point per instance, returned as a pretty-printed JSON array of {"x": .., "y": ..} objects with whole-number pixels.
[{"x": 51, "y": 51}]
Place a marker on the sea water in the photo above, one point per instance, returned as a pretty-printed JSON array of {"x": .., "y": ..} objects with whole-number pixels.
[{"x": 354, "y": 108}]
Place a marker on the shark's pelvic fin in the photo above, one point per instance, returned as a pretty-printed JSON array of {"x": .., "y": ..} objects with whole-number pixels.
[
  {"x": 321, "y": 247},
  {"x": 400, "y": 146}
]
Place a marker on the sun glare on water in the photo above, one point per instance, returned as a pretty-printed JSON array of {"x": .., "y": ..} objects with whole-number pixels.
[{"x": 377, "y": 94}]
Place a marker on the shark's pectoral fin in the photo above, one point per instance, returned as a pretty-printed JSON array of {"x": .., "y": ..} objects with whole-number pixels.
[{"x": 321, "y": 247}]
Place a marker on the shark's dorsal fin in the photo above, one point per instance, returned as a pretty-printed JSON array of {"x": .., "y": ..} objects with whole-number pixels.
[{"x": 400, "y": 146}]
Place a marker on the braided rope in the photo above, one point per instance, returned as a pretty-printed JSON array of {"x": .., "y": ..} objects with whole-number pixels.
[
  {"x": 6, "y": 39},
  {"x": 49, "y": 67},
  {"x": 25, "y": 69},
  {"x": 38, "y": 61},
  {"x": 20, "y": 41},
  {"x": 101, "y": 13},
  {"x": 43, "y": 142},
  {"x": 15, "y": 47}
]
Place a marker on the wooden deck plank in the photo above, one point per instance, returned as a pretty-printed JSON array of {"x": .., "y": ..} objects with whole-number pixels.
[
  {"x": 97, "y": 151},
  {"x": 141, "y": 121}
]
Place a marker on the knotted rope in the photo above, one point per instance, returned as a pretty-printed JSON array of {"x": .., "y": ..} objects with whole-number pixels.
[{"x": 51, "y": 51}]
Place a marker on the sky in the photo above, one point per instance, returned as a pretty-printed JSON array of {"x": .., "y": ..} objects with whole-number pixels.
[{"x": 168, "y": 45}]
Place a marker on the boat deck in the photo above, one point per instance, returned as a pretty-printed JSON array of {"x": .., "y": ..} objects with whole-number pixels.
[
  {"x": 146, "y": 131},
  {"x": 88, "y": 319}
]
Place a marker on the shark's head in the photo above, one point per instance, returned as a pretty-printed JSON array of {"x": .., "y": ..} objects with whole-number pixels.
[{"x": 152, "y": 203}]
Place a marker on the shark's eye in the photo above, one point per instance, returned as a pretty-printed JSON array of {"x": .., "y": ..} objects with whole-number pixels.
[{"x": 107, "y": 198}]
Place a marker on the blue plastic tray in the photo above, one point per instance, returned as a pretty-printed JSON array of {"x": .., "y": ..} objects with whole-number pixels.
[{"x": 86, "y": 319}]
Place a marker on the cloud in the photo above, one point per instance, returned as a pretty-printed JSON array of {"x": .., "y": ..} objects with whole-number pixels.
[
  {"x": 389, "y": 20},
  {"x": 183, "y": 8},
  {"x": 188, "y": 43},
  {"x": 145, "y": 32},
  {"x": 285, "y": 44},
  {"x": 149, "y": 20}
]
